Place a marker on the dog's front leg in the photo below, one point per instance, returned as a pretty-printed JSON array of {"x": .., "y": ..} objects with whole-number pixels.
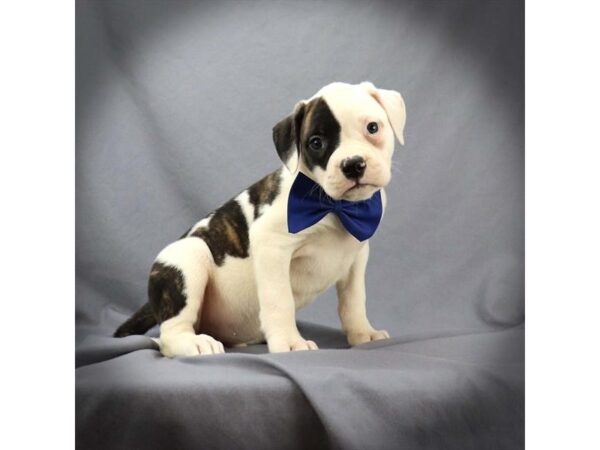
[
  {"x": 352, "y": 303},
  {"x": 277, "y": 307}
]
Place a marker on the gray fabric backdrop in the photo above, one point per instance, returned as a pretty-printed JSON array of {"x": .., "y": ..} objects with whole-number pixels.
[{"x": 175, "y": 105}]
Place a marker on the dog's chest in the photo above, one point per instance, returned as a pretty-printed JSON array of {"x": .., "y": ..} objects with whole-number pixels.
[{"x": 320, "y": 263}]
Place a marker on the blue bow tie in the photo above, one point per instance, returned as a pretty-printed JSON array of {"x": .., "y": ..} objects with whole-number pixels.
[{"x": 308, "y": 204}]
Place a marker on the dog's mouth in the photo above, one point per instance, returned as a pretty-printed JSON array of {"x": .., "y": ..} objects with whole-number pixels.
[
  {"x": 359, "y": 191},
  {"x": 358, "y": 186}
]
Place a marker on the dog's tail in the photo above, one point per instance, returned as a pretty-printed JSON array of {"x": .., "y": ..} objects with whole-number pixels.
[{"x": 141, "y": 321}]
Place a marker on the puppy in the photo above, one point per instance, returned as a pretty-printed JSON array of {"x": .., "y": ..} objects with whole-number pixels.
[{"x": 239, "y": 275}]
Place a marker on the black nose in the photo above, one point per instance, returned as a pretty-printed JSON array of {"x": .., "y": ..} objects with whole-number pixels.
[{"x": 354, "y": 167}]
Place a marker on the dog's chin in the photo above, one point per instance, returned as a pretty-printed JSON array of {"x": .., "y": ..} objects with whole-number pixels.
[
  {"x": 355, "y": 191},
  {"x": 360, "y": 192}
]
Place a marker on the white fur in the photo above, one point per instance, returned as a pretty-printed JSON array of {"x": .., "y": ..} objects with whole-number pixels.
[
  {"x": 248, "y": 300},
  {"x": 247, "y": 208}
]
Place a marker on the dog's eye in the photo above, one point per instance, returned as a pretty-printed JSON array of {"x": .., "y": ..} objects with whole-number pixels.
[
  {"x": 315, "y": 143},
  {"x": 372, "y": 127}
]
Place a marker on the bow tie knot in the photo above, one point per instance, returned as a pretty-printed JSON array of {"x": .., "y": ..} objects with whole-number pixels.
[{"x": 308, "y": 204}]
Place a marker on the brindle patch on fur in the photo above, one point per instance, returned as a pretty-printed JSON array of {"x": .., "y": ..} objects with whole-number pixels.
[
  {"x": 285, "y": 135},
  {"x": 311, "y": 119},
  {"x": 265, "y": 191},
  {"x": 226, "y": 233},
  {"x": 166, "y": 291},
  {"x": 319, "y": 121},
  {"x": 140, "y": 322}
]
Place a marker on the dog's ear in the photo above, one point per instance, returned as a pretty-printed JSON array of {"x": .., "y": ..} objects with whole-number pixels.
[
  {"x": 393, "y": 104},
  {"x": 286, "y": 136}
]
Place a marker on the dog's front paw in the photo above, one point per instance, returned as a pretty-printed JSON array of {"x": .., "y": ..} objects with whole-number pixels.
[
  {"x": 189, "y": 344},
  {"x": 364, "y": 336},
  {"x": 278, "y": 345}
]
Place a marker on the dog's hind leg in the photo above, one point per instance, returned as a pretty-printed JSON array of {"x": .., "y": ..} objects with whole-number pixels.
[{"x": 176, "y": 291}]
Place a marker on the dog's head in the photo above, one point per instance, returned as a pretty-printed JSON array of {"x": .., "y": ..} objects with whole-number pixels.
[{"x": 343, "y": 138}]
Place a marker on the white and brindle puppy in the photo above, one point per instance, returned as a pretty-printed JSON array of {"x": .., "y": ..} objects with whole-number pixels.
[{"x": 239, "y": 275}]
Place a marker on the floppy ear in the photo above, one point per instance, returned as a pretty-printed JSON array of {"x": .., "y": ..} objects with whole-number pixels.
[
  {"x": 393, "y": 104},
  {"x": 286, "y": 136}
]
